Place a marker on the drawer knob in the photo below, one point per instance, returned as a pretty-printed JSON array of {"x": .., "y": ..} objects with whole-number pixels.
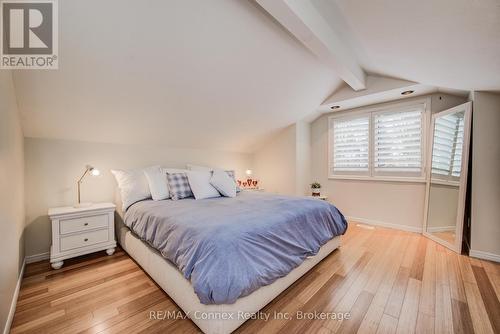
[
  {"x": 85, "y": 239},
  {"x": 86, "y": 224}
]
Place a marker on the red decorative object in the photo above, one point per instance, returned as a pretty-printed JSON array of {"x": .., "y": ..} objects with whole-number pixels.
[{"x": 248, "y": 183}]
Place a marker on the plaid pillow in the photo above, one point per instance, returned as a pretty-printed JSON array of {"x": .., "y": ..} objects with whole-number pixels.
[
  {"x": 178, "y": 186},
  {"x": 231, "y": 175}
]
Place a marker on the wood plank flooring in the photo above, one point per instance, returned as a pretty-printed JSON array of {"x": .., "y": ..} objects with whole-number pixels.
[{"x": 387, "y": 281}]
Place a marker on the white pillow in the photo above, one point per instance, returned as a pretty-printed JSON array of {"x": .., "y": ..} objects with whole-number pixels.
[
  {"x": 223, "y": 183},
  {"x": 199, "y": 168},
  {"x": 204, "y": 168},
  {"x": 157, "y": 180},
  {"x": 199, "y": 181},
  {"x": 133, "y": 186}
]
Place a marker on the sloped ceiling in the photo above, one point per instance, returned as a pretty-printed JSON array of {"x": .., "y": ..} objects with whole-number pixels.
[
  {"x": 216, "y": 74},
  {"x": 447, "y": 43},
  {"x": 225, "y": 74}
]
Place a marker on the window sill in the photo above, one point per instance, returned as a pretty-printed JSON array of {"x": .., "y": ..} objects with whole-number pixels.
[{"x": 378, "y": 178}]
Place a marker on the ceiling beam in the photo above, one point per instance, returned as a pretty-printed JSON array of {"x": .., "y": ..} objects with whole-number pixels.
[{"x": 306, "y": 23}]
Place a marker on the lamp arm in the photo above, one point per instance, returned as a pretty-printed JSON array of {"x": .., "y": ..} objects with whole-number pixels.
[
  {"x": 80, "y": 182},
  {"x": 84, "y": 174}
]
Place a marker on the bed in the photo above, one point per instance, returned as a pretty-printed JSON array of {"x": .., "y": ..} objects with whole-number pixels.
[{"x": 223, "y": 259}]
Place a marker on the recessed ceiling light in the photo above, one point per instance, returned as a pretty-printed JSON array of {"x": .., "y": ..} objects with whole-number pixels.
[
  {"x": 334, "y": 107},
  {"x": 408, "y": 92}
]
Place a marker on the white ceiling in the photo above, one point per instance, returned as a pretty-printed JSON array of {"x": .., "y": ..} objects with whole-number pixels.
[
  {"x": 218, "y": 74},
  {"x": 446, "y": 43},
  {"x": 225, "y": 74}
]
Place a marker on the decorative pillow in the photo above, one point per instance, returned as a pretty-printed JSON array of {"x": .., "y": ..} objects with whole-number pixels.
[
  {"x": 223, "y": 183},
  {"x": 133, "y": 186},
  {"x": 200, "y": 184},
  {"x": 178, "y": 185},
  {"x": 157, "y": 181},
  {"x": 203, "y": 168}
]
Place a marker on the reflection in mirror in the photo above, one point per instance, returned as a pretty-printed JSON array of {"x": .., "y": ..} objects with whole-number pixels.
[{"x": 445, "y": 176}]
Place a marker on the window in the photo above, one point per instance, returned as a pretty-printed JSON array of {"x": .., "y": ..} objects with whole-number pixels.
[
  {"x": 350, "y": 152},
  {"x": 379, "y": 143},
  {"x": 398, "y": 141}
]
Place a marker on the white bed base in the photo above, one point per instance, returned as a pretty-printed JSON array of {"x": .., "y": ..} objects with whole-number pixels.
[{"x": 171, "y": 280}]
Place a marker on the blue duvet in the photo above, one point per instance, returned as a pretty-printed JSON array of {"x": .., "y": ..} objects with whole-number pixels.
[{"x": 229, "y": 247}]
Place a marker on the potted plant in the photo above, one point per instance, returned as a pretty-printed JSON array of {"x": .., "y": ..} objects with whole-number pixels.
[{"x": 316, "y": 189}]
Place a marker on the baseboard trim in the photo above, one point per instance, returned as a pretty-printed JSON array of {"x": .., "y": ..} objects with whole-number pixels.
[
  {"x": 13, "y": 303},
  {"x": 484, "y": 255},
  {"x": 441, "y": 229},
  {"x": 37, "y": 257},
  {"x": 384, "y": 224}
]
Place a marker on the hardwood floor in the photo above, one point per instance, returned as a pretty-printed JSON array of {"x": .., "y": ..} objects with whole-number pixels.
[{"x": 388, "y": 281}]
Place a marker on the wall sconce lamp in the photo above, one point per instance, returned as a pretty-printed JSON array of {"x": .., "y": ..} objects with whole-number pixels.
[
  {"x": 93, "y": 172},
  {"x": 249, "y": 173}
]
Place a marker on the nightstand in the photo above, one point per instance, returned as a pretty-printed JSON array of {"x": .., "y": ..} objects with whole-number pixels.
[
  {"x": 79, "y": 231},
  {"x": 252, "y": 189},
  {"x": 323, "y": 198}
]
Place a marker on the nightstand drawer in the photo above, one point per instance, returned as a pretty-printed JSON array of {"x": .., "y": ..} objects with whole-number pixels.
[
  {"x": 83, "y": 224},
  {"x": 83, "y": 239}
]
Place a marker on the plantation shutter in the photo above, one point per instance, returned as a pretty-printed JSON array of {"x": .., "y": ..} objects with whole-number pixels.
[
  {"x": 447, "y": 147},
  {"x": 398, "y": 141},
  {"x": 350, "y": 144},
  {"x": 456, "y": 166}
]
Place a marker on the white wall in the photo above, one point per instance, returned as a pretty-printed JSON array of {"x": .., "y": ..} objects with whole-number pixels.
[
  {"x": 283, "y": 164},
  {"x": 275, "y": 162},
  {"x": 303, "y": 158},
  {"x": 11, "y": 195},
  {"x": 53, "y": 167},
  {"x": 485, "y": 220},
  {"x": 397, "y": 204}
]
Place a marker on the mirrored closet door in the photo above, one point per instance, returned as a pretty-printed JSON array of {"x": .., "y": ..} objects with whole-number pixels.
[{"x": 447, "y": 176}]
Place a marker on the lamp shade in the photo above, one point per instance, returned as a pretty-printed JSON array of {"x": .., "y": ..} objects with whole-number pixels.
[{"x": 94, "y": 171}]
